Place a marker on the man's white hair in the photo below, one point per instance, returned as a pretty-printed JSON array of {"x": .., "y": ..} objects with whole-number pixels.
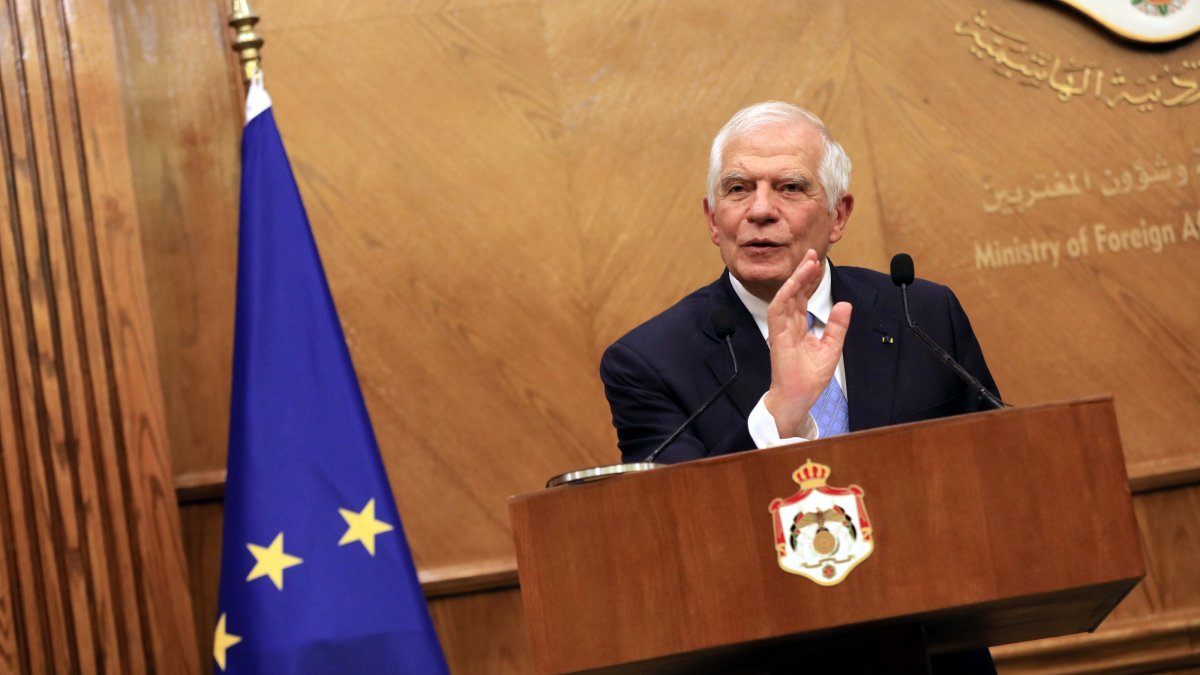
[{"x": 834, "y": 171}]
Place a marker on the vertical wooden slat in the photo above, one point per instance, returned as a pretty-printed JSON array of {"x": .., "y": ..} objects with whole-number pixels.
[
  {"x": 139, "y": 486},
  {"x": 39, "y": 523},
  {"x": 15, "y": 636},
  {"x": 22, "y": 640},
  {"x": 114, "y": 597},
  {"x": 63, "y": 200},
  {"x": 95, "y": 579}
]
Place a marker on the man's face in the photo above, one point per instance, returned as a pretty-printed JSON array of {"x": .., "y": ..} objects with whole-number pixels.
[{"x": 770, "y": 207}]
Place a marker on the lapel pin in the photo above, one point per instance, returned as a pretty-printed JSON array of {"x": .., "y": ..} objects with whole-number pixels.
[{"x": 888, "y": 339}]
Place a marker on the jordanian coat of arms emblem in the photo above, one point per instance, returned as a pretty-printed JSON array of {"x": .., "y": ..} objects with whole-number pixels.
[{"x": 821, "y": 532}]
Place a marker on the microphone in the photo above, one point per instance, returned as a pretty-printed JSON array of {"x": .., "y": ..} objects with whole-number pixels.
[
  {"x": 723, "y": 324},
  {"x": 903, "y": 274}
]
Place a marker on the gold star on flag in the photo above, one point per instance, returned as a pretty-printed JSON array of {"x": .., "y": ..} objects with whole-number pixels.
[
  {"x": 223, "y": 641},
  {"x": 272, "y": 561},
  {"x": 363, "y": 527}
]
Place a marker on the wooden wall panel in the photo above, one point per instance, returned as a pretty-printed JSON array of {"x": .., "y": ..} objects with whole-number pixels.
[
  {"x": 185, "y": 122},
  {"x": 483, "y": 632},
  {"x": 1099, "y": 322},
  {"x": 201, "y": 524},
  {"x": 643, "y": 87},
  {"x": 93, "y": 576},
  {"x": 501, "y": 188},
  {"x": 955, "y": 134},
  {"x": 443, "y": 276}
]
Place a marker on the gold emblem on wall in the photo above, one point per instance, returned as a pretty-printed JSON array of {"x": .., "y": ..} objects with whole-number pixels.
[{"x": 1144, "y": 20}]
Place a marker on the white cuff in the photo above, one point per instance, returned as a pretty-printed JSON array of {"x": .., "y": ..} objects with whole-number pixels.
[{"x": 761, "y": 425}]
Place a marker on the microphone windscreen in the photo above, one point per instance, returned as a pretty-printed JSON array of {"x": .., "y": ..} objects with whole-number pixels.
[
  {"x": 902, "y": 269},
  {"x": 722, "y": 322}
]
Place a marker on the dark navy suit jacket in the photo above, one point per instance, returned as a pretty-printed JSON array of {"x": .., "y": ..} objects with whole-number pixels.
[{"x": 661, "y": 371}]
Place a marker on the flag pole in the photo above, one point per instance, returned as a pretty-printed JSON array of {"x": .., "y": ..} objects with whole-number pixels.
[{"x": 246, "y": 43}]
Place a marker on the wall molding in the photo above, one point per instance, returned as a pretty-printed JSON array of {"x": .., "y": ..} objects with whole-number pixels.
[
  {"x": 1163, "y": 474},
  {"x": 1181, "y": 472},
  {"x": 206, "y": 487},
  {"x": 1152, "y": 644}
]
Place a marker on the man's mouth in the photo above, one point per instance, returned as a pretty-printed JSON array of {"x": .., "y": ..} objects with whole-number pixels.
[{"x": 761, "y": 244}]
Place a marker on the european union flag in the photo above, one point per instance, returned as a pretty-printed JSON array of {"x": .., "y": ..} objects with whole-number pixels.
[{"x": 316, "y": 575}]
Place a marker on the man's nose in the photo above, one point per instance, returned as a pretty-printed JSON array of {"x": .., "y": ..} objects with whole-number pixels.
[{"x": 762, "y": 209}]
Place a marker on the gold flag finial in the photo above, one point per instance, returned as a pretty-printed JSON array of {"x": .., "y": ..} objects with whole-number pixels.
[{"x": 246, "y": 43}]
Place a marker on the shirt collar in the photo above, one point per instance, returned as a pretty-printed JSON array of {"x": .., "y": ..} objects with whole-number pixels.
[{"x": 820, "y": 304}]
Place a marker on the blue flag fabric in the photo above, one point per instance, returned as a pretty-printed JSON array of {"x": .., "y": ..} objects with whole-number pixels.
[{"x": 316, "y": 575}]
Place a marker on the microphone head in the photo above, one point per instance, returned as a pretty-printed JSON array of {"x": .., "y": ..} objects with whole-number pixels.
[
  {"x": 902, "y": 269},
  {"x": 722, "y": 322}
]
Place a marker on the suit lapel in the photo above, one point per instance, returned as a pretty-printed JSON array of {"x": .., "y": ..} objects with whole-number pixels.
[
  {"x": 754, "y": 359},
  {"x": 869, "y": 357}
]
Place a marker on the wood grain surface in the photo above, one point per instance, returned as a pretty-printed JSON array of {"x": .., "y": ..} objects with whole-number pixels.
[
  {"x": 500, "y": 188},
  {"x": 92, "y": 575},
  {"x": 693, "y": 542}
]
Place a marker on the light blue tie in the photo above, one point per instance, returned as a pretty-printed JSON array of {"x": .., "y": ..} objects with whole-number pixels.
[{"x": 830, "y": 412}]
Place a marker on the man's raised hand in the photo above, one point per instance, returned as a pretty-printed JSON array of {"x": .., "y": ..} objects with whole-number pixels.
[{"x": 801, "y": 364}]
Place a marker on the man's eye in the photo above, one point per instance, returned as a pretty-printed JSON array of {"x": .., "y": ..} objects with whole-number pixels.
[
  {"x": 792, "y": 187},
  {"x": 734, "y": 189}
]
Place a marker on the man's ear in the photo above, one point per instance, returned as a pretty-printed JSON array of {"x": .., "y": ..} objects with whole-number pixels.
[
  {"x": 711, "y": 218},
  {"x": 841, "y": 215}
]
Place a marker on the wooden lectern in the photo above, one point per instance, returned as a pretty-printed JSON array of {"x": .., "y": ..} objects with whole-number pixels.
[{"x": 988, "y": 529}]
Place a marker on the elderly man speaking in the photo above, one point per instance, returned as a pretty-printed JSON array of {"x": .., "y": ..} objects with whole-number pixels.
[{"x": 821, "y": 348}]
